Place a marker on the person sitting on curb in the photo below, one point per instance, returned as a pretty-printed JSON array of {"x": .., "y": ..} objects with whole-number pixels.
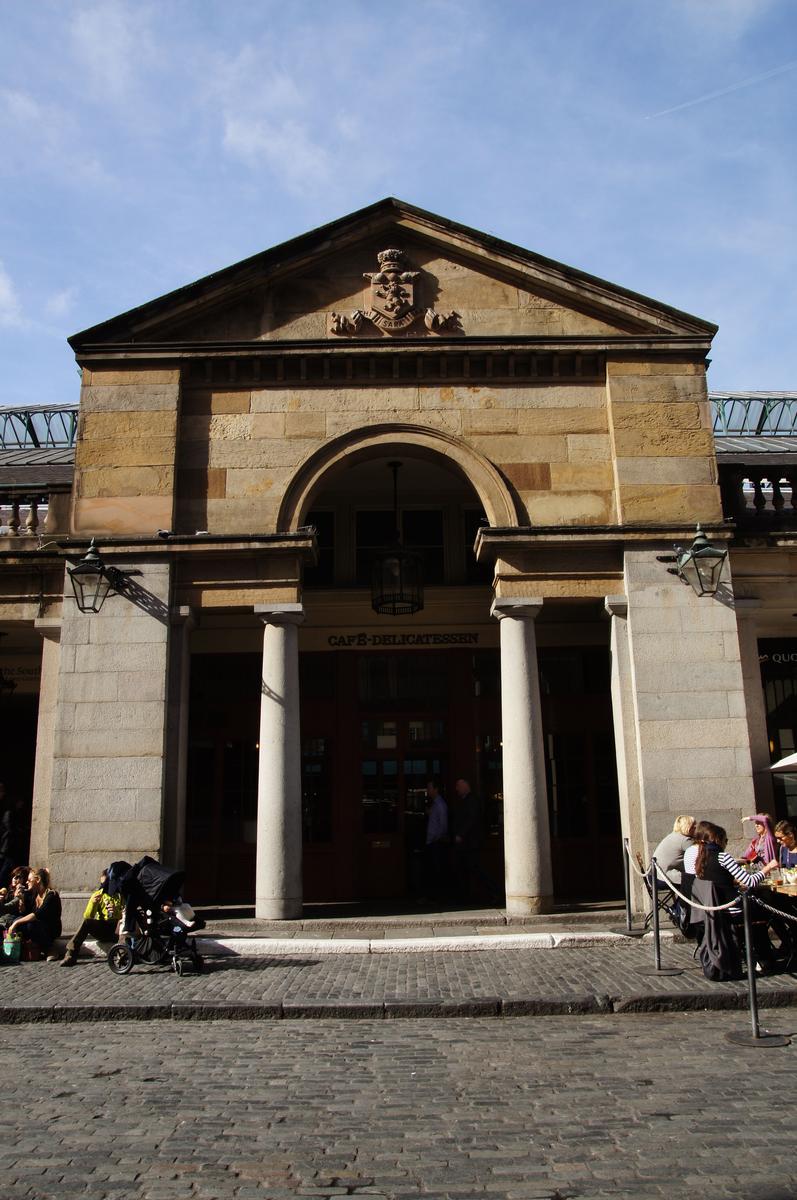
[
  {"x": 41, "y": 924},
  {"x": 100, "y": 920},
  {"x": 13, "y": 898}
]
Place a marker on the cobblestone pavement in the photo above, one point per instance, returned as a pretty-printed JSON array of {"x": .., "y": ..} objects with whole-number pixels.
[
  {"x": 540, "y": 1108},
  {"x": 506, "y": 981}
]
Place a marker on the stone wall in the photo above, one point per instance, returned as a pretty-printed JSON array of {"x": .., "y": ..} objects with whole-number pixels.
[{"x": 109, "y": 735}]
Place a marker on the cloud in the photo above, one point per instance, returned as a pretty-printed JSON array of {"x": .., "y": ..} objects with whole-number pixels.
[
  {"x": 109, "y": 41},
  {"x": 40, "y": 136},
  {"x": 285, "y": 146},
  {"x": 725, "y": 19},
  {"x": 61, "y": 303},
  {"x": 10, "y": 308}
]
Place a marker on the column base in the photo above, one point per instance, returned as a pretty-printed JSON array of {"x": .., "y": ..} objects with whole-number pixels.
[
  {"x": 286, "y": 909},
  {"x": 528, "y": 906}
]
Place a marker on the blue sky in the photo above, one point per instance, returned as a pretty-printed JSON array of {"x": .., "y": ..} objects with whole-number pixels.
[{"x": 143, "y": 145}]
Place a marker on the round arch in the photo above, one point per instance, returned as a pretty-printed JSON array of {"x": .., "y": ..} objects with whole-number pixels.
[{"x": 392, "y": 438}]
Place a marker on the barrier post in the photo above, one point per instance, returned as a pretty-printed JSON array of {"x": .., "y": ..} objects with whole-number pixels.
[
  {"x": 657, "y": 969},
  {"x": 756, "y": 1038},
  {"x": 629, "y": 930}
]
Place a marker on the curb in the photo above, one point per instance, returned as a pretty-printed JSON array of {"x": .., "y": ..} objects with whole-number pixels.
[{"x": 392, "y": 1009}]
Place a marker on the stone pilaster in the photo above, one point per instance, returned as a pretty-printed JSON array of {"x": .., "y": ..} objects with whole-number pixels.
[
  {"x": 625, "y": 739},
  {"x": 278, "y": 880},
  {"x": 527, "y": 843},
  {"x": 183, "y": 621},
  {"x": 50, "y": 630},
  {"x": 692, "y": 737},
  {"x": 110, "y": 733}
]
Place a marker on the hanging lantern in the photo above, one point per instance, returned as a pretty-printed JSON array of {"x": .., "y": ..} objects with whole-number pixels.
[
  {"x": 701, "y": 565},
  {"x": 396, "y": 574},
  {"x": 91, "y": 581}
]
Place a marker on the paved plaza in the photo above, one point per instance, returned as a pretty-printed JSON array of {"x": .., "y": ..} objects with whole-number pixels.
[
  {"x": 541, "y": 1108},
  {"x": 508, "y": 982}
]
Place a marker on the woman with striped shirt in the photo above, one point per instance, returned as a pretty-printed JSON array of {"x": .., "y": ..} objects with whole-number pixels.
[{"x": 717, "y": 880}]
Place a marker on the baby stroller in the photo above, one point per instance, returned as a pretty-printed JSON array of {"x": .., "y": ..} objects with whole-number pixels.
[{"x": 157, "y": 920}]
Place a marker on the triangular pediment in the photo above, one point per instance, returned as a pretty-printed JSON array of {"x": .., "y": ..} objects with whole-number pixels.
[{"x": 454, "y": 282}]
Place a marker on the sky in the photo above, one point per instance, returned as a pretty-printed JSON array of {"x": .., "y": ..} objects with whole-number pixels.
[{"x": 146, "y": 144}]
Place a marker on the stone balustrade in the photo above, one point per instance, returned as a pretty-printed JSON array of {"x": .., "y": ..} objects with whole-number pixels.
[
  {"x": 760, "y": 498},
  {"x": 33, "y": 514}
]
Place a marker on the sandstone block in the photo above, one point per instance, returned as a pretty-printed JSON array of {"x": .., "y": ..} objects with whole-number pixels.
[
  {"x": 261, "y": 454},
  {"x": 247, "y": 482},
  {"x": 119, "y": 715},
  {"x": 664, "y": 442},
  {"x": 269, "y": 424},
  {"x": 668, "y": 706},
  {"x": 562, "y": 420},
  {"x": 126, "y": 452},
  {"x": 141, "y": 685},
  {"x": 617, "y": 366},
  {"x": 582, "y": 477},
  {"x": 529, "y": 477},
  {"x": 95, "y": 482},
  {"x": 492, "y": 420},
  {"x": 699, "y": 732},
  {"x": 651, "y": 389},
  {"x": 135, "y": 377},
  {"x": 305, "y": 424},
  {"x": 675, "y": 677},
  {"x": 110, "y": 773},
  {"x": 588, "y": 447},
  {"x": 652, "y": 470},
  {"x": 83, "y": 744},
  {"x": 89, "y": 687},
  {"x": 111, "y": 836},
  {"x": 501, "y": 448},
  {"x": 669, "y": 503},
  {"x": 99, "y": 426},
  {"x": 204, "y": 402},
  {"x": 694, "y": 649},
  {"x": 136, "y": 657},
  {"x": 661, "y": 418},
  {"x": 128, "y": 399},
  {"x": 257, "y": 514},
  {"x": 198, "y": 483},
  {"x": 568, "y": 508},
  {"x": 582, "y": 396},
  {"x": 693, "y": 764},
  {"x": 217, "y": 427},
  {"x": 119, "y": 805}
]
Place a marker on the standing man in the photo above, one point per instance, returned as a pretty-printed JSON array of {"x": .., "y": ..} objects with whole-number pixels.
[
  {"x": 466, "y": 830},
  {"x": 434, "y": 855}
]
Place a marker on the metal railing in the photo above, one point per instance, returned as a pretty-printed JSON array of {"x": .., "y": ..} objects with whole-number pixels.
[
  {"x": 38, "y": 428},
  {"x": 754, "y": 414}
]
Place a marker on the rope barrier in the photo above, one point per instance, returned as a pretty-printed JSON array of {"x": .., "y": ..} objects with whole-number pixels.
[
  {"x": 778, "y": 912},
  {"x": 688, "y": 900}
]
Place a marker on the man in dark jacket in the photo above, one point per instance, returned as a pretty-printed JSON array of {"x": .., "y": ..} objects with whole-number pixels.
[{"x": 466, "y": 841}]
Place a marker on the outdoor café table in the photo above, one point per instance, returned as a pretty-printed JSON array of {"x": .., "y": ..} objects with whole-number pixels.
[{"x": 782, "y": 896}]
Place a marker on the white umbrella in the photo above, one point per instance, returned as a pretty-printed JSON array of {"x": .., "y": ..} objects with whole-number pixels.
[{"x": 786, "y": 766}]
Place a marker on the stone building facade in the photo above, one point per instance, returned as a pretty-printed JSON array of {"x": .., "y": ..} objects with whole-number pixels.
[{"x": 238, "y": 706}]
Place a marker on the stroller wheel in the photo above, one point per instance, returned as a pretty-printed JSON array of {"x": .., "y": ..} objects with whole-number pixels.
[
  {"x": 120, "y": 959},
  {"x": 178, "y": 966},
  {"x": 198, "y": 961}
]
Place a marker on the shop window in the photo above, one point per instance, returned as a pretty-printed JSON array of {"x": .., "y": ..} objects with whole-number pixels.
[
  {"x": 380, "y": 795},
  {"x": 401, "y": 680}
]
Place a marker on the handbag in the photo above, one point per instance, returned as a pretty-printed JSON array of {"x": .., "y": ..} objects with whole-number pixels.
[{"x": 12, "y": 948}]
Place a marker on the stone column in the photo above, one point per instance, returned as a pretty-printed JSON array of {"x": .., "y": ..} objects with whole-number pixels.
[
  {"x": 527, "y": 842},
  {"x": 625, "y": 739},
  {"x": 50, "y": 630},
  {"x": 278, "y": 882},
  {"x": 182, "y": 621},
  {"x": 755, "y": 708}
]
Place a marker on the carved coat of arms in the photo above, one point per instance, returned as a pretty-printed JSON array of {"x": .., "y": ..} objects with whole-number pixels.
[{"x": 392, "y": 301}]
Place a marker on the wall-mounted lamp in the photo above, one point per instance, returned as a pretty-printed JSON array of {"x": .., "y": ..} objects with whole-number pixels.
[
  {"x": 700, "y": 566},
  {"x": 91, "y": 580}
]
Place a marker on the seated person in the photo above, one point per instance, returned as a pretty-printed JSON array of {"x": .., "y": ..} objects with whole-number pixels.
[
  {"x": 13, "y": 899},
  {"x": 100, "y": 920},
  {"x": 41, "y": 925},
  {"x": 763, "y": 848},
  {"x": 669, "y": 854},
  {"x": 786, "y": 837},
  {"x": 717, "y": 876}
]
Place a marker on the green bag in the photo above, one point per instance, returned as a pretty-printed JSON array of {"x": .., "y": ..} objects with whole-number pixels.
[{"x": 12, "y": 948}]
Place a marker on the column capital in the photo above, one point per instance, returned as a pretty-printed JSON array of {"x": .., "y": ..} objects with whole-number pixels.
[
  {"x": 520, "y": 606},
  {"x": 616, "y": 606},
  {"x": 280, "y": 614},
  {"x": 49, "y": 628}
]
